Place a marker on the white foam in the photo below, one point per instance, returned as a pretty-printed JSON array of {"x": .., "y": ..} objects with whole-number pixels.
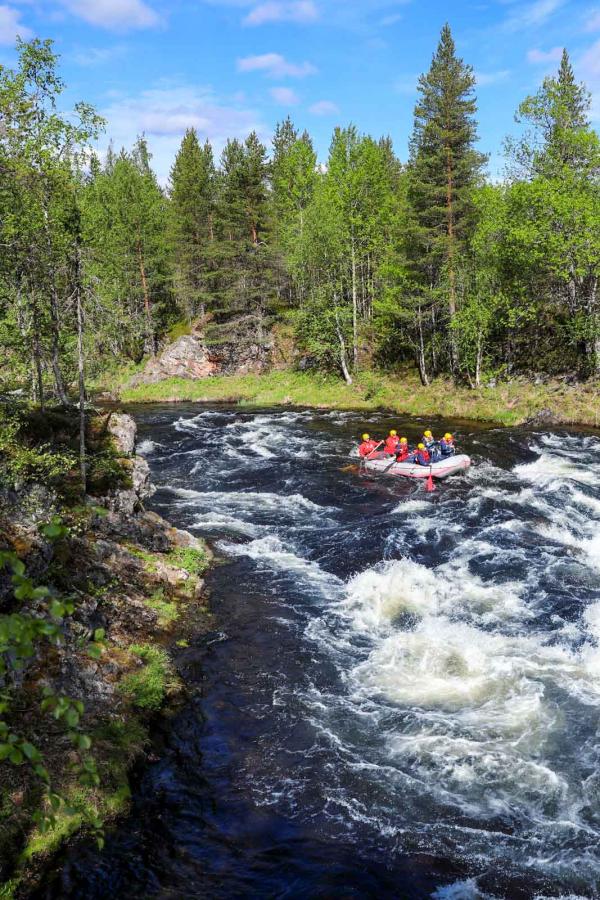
[
  {"x": 146, "y": 447},
  {"x": 271, "y": 553},
  {"x": 550, "y": 469}
]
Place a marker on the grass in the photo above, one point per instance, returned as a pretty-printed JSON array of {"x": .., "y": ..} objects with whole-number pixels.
[
  {"x": 166, "y": 609},
  {"x": 192, "y": 560},
  {"x": 147, "y": 687},
  {"x": 510, "y": 403}
]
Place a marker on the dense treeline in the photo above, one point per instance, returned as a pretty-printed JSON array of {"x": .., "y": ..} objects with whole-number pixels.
[{"x": 370, "y": 261}]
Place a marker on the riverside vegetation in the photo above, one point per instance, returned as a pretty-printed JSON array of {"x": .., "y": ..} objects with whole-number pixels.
[
  {"x": 368, "y": 264},
  {"x": 94, "y": 593}
]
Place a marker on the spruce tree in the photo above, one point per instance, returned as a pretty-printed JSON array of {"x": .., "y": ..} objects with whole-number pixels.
[
  {"x": 443, "y": 171},
  {"x": 191, "y": 230}
]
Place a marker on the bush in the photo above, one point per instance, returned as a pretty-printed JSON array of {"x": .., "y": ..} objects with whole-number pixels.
[{"x": 147, "y": 688}]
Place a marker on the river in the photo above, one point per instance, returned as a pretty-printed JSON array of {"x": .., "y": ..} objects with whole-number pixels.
[{"x": 401, "y": 697}]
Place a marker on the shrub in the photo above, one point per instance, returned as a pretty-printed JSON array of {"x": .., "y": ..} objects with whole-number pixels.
[{"x": 147, "y": 687}]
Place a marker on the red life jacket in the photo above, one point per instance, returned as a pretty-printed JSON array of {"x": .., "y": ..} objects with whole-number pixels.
[
  {"x": 403, "y": 453},
  {"x": 423, "y": 457},
  {"x": 391, "y": 444},
  {"x": 367, "y": 447}
]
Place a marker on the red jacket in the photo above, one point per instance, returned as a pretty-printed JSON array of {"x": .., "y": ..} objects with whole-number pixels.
[
  {"x": 422, "y": 457},
  {"x": 391, "y": 444},
  {"x": 403, "y": 453},
  {"x": 367, "y": 447}
]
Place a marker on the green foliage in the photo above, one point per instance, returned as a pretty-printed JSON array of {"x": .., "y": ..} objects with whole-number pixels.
[
  {"x": 166, "y": 609},
  {"x": 193, "y": 560},
  {"x": 148, "y": 686}
]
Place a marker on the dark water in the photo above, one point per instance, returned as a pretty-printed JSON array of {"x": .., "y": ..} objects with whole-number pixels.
[{"x": 403, "y": 695}]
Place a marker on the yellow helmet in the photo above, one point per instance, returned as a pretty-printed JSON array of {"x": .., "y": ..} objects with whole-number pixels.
[
  {"x": 421, "y": 446},
  {"x": 427, "y": 433},
  {"x": 447, "y": 436},
  {"x": 404, "y": 440},
  {"x": 393, "y": 433},
  {"x": 365, "y": 437}
]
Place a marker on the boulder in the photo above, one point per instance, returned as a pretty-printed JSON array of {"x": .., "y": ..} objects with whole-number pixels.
[
  {"x": 187, "y": 357},
  {"x": 123, "y": 430}
]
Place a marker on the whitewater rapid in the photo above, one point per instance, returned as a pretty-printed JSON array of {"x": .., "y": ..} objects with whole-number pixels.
[{"x": 419, "y": 673}]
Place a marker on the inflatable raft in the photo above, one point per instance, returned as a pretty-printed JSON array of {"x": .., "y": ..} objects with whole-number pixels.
[{"x": 380, "y": 464}]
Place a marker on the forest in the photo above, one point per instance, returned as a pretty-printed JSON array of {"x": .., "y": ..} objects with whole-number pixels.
[{"x": 369, "y": 261}]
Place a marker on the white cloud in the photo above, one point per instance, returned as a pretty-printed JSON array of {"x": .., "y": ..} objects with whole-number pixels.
[
  {"x": 532, "y": 15},
  {"x": 11, "y": 26},
  {"x": 98, "y": 56},
  {"x": 301, "y": 11},
  {"x": 117, "y": 15},
  {"x": 544, "y": 56},
  {"x": 324, "y": 108},
  {"x": 484, "y": 79},
  {"x": 163, "y": 114},
  {"x": 275, "y": 66},
  {"x": 588, "y": 69},
  {"x": 593, "y": 21},
  {"x": 392, "y": 19},
  {"x": 284, "y": 96}
]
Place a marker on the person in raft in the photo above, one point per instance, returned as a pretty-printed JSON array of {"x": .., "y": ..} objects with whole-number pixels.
[
  {"x": 367, "y": 446},
  {"x": 392, "y": 444},
  {"x": 447, "y": 447},
  {"x": 431, "y": 445},
  {"x": 403, "y": 453},
  {"x": 422, "y": 456}
]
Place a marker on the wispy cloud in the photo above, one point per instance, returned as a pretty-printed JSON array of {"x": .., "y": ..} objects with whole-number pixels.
[
  {"x": 324, "y": 108},
  {"x": 163, "y": 113},
  {"x": 98, "y": 56},
  {"x": 301, "y": 11},
  {"x": 11, "y": 26},
  {"x": 544, "y": 56},
  {"x": 274, "y": 65},
  {"x": 284, "y": 96},
  {"x": 484, "y": 79},
  {"x": 115, "y": 15},
  {"x": 592, "y": 23},
  {"x": 532, "y": 15}
]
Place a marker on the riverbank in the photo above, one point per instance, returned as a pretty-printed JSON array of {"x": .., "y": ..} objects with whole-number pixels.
[
  {"x": 510, "y": 403},
  {"x": 102, "y": 595}
]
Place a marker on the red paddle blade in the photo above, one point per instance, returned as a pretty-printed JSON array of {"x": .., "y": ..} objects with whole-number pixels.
[{"x": 430, "y": 484}]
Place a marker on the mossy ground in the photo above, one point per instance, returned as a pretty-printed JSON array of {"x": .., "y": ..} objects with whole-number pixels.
[{"x": 510, "y": 403}]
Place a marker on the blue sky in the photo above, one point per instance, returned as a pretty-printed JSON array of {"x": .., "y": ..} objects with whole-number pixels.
[{"x": 228, "y": 66}]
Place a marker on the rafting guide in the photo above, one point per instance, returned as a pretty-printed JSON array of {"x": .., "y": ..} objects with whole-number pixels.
[{"x": 430, "y": 458}]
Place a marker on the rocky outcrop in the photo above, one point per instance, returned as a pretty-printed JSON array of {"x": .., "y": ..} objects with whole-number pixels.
[
  {"x": 123, "y": 429},
  {"x": 235, "y": 349},
  {"x": 187, "y": 357}
]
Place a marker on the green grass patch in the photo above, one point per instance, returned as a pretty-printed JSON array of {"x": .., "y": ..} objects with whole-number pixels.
[
  {"x": 148, "y": 686},
  {"x": 166, "y": 609},
  {"x": 193, "y": 560},
  {"x": 508, "y": 403},
  {"x": 179, "y": 329}
]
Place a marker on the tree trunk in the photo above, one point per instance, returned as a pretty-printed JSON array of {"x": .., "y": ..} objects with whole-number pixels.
[
  {"x": 421, "y": 362},
  {"x": 451, "y": 260},
  {"x": 38, "y": 382},
  {"x": 146, "y": 295},
  {"x": 343, "y": 359},
  {"x": 354, "y": 306},
  {"x": 81, "y": 373}
]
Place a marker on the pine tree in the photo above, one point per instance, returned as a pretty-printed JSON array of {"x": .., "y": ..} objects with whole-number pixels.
[
  {"x": 444, "y": 169},
  {"x": 191, "y": 222}
]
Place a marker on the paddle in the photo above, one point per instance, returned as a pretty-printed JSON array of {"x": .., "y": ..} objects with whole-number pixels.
[{"x": 430, "y": 484}]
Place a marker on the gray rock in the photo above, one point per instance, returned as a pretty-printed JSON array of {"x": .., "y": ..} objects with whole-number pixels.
[{"x": 123, "y": 429}]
